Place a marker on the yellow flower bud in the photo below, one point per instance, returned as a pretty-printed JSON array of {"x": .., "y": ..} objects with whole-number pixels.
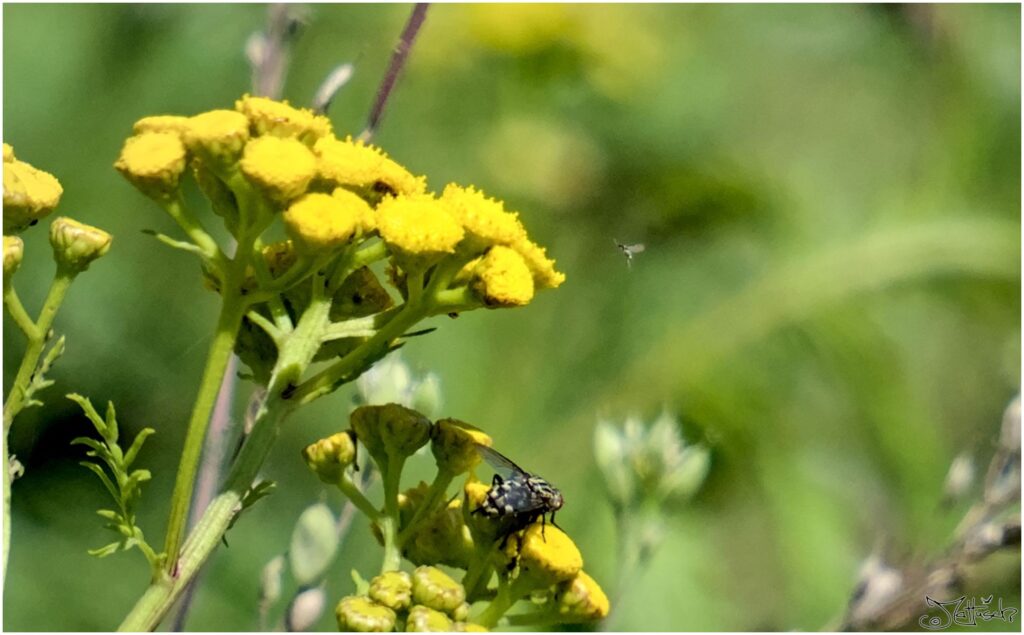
[
  {"x": 76, "y": 244},
  {"x": 454, "y": 444},
  {"x": 546, "y": 555},
  {"x": 392, "y": 589},
  {"x": 433, "y": 588},
  {"x": 217, "y": 136},
  {"x": 502, "y": 279},
  {"x": 321, "y": 222},
  {"x": 423, "y": 619},
  {"x": 8, "y": 153},
  {"x": 390, "y": 430},
  {"x": 29, "y": 195},
  {"x": 418, "y": 226},
  {"x": 329, "y": 457},
  {"x": 581, "y": 598},
  {"x": 161, "y": 123},
  {"x": 543, "y": 268},
  {"x": 153, "y": 162},
  {"x": 279, "y": 119},
  {"x": 362, "y": 615},
  {"x": 14, "y": 249},
  {"x": 462, "y": 613},
  {"x": 282, "y": 168},
  {"x": 484, "y": 219},
  {"x": 356, "y": 165}
]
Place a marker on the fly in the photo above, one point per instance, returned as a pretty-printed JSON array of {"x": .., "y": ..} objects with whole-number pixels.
[
  {"x": 518, "y": 496},
  {"x": 629, "y": 251}
]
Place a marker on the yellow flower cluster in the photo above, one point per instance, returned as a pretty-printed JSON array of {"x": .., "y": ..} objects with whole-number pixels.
[
  {"x": 427, "y": 601},
  {"x": 333, "y": 191}
]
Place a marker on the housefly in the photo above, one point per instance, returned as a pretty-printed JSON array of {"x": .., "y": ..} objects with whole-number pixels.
[
  {"x": 518, "y": 497},
  {"x": 629, "y": 251}
]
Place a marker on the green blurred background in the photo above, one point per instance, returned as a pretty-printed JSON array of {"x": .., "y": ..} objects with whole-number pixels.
[{"x": 830, "y": 296}]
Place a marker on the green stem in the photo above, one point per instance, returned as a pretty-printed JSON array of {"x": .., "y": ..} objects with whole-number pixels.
[
  {"x": 18, "y": 396},
  {"x": 349, "y": 489},
  {"x": 161, "y": 595},
  {"x": 436, "y": 493},
  {"x": 18, "y": 313},
  {"x": 392, "y": 474},
  {"x": 195, "y": 232},
  {"x": 505, "y": 599},
  {"x": 232, "y": 310}
]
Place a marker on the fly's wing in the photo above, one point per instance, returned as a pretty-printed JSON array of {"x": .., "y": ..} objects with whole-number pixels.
[
  {"x": 500, "y": 462},
  {"x": 635, "y": 249}
]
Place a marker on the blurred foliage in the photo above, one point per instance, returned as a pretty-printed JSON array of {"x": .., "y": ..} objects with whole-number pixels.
[{"x": 829, "y": 299}]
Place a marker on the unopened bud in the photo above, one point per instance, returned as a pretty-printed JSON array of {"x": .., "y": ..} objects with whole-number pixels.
[
  {"x": 360, "y": 614},
  {"x": 329, "y": 457},
  {"x": 423, "y": 619},
  {"x": 76, "y": 245},
  {"x": 390, "y": 430},
  {"x": 581, "y": 598},
  {"x": 14, "y": 249},
  {"x": 393, "y": 589},
  {"x": 433, "y": 588}
]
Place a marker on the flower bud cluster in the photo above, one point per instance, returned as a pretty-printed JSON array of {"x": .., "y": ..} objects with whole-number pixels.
[{"x": 429, "y": 600}]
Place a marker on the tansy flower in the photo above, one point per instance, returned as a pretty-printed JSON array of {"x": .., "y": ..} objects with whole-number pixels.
[
  {"x": 454, "y": 444},
  {"x": 282, "y": 168},
  {"x": 29, "y": 194},
  {"x": 14, "y": 249},
  {"x": 8, "y": 153},
  {"x": 503, "y": 279},
  {"x": 153, "y": 162},
  {"x": 76, "y": 244},
  {"x": 277, "y": 118},
  {"x": 217, "y": 135},
  {"x": 546, "y": 555},
  {"x": 319, "y": 222},
  {"x": 543, "y": 268},
  {"x": 367, "y": 221},
  {"x": 363, "y": 615},
  {"x": 581, "y": 598},
  {"x": 423, "y": 619},
  {"x": 392, "y": 589},
  {"x": 357, "y": 165},
  {"x": 329, "y": 457},
  {"x": 434, "y": 588},
  {"x": 161, "y": 123},
  {"x": 418, "y": 225},
  {"x": 482, "y": 217}
]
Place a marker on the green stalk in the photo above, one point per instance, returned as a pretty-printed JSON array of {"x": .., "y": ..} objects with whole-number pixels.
[
  {"x": 438, "y": 489},
  {"x": 389, "y": 522},
  {"x": 161, "y": 595},
  {"x": 228, "y": 323},
  {"x": 16, "y": 399}
]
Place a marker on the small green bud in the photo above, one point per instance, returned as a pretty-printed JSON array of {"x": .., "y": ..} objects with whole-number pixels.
[
  {"x": 313, "y": 544},
  {"x": 328, "y": 458},
  {"x": 433, "y": 588},
  {"x": 462, "y": 613},
  {"x": 393, "y": 589},
  {"x": 390, "y": 430},
  {"x": 423, "y": 619},
  {"x": 454, "y": 442},
  {"x": 363, "y": 615},
  {"x": 14, "y": 249},
  {"x": 76, "y": 244}
]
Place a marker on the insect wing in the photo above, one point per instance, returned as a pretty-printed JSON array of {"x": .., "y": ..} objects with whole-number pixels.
[
  {"x": 635, "y": 249},
  {"x": 500, "y": 462}
]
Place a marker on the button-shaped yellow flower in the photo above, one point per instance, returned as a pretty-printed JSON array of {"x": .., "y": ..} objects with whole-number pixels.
[
  {"x": 543, "y": 268},
  {"x": 14, "y": 249},
  {"x": 217, "y": 136},
  {"x": 546, "y": 555},
  {"x": 483, "y": 218},
  {"x": 423, "y": 619},
  {"x": 363, "y": 615},
  {"x": 329, "y": 457},
  {"x": 502, "y": 278},
  {"x": 321, "y": 222},
  {"x": 581, "y": 598},
  {"x": 454, "y": 444},
  {"x": 153, "y": 162},
  {"x": 434, "y": 588},
  {"x": 279, "y": 119},
  {"x": 29, "y": 194},
  {"x": 392, "y": 589},
  {"x": 8, "y": 153},
  {"x": 419, "y": 226},
  {"x": 281, "y": 167},
  {"x": 161, "y": 123},
  {"x": 76, "y": 245},
  {"x": 361, "y": 166}
]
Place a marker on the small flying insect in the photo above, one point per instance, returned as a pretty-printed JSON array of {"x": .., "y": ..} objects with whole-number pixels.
[
  {"x": 518, "y": 496},
  {"x": 629, "y": 251}
]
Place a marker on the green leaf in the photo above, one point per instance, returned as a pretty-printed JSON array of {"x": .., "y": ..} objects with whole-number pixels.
[
  {"x": 313, "y": 544},
  {"x": 109, "y": 514},
  {"x": 103, "y": 552},
  {"x": 133, "y": 451},
  {"x": 90, "y": 412},
  {"x": 112, "y": 431},
  {"x": 104, "y": 478}
]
